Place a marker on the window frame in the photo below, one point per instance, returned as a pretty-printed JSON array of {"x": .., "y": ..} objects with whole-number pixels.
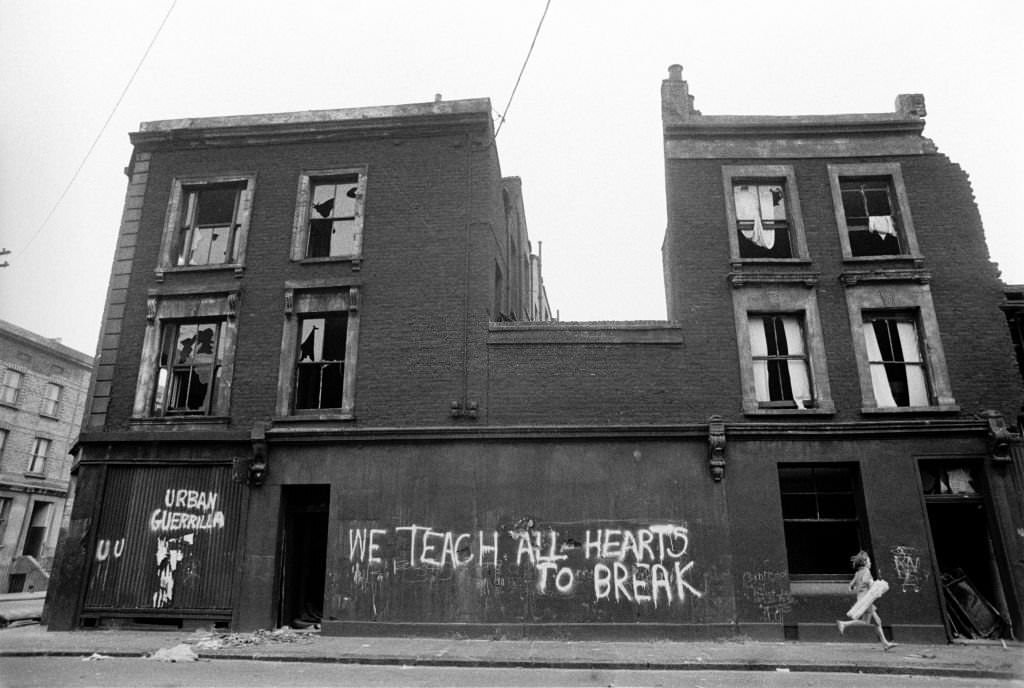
[
  {"x": 900, "y": 299},
  {"x": 856, "y": 492},
  {"x": 51, "y": 407},
  {"x": 50, "y": 510},
  {"x": 180, "y": 188},
  {"x": 37, "y": 461},
  {"x": 732, "y": 175},
  {"x": 905, "y": 223},
  {"x": 165, "y": 309},
  {"x": 783, "y": 299},
  {"x": 6, "y": 387},
  {"x": 303, "y": 299},
  {"x": 304, "y": 195},
  {"x": 769, "y": 358}
]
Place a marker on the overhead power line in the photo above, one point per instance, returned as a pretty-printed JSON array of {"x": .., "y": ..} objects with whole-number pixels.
[
  {"x": 523, "y": 69},
  {"x": 103, "y": 128}
]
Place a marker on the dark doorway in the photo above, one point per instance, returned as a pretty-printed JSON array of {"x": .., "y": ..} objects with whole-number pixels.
[
  {"x": 968, "y": 571},
  {"x": 305, "y": 511}
]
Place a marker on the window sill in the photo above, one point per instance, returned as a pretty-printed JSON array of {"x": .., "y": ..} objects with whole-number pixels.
[
  {"x": 823, "y": 408},
  {"x": 737, "y": 261},
  {"x": 237, "y": 268},
  {"x": 819, "y": 587},
  {"x": 178, "y": 422},
  {"x": 47, "y": 416},
  {"x": 35, "y": 476},
  {"x": 945, "y": 408},
  {"x": 901, "y": 258},
  {"x": 308, "y": 418},
  {"x": 8, "y": 404}
]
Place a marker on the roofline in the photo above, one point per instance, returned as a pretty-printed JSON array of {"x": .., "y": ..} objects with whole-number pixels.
[
  {"x": 440, "y": 113},
  {"x": 50, "y": 346},
  {"x": 793, "y": 125}
]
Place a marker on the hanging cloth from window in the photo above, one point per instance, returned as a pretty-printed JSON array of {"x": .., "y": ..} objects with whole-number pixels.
[
  {"x": 750, "y": 200},
  {"x": 882, "y": 224}
]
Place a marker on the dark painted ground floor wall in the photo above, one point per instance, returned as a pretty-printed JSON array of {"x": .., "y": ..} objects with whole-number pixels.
[{"x": 597, "y": 536}]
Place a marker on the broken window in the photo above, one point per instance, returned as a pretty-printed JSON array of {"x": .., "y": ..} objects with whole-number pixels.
[
  {"x": 329, "y": 215},
  {"x": 332, "y": 217},
  {"x": 821, "y": 517},
  {"x": 51, "y": 400},
  {"x": 188, "y": 368},
  {"x": 779, "y": 353},
  {"x": 320, "y": 369},
  {"x": 40, "y": 452},
  {"x": 11, "y": 386},
  {"x": 872, "y": 223},
  {"x": 761, "y": 220},
  {"x": 898, "y": 375},
  {"x": 209, "y": 221},
  {"x": 319, "y": 350}
]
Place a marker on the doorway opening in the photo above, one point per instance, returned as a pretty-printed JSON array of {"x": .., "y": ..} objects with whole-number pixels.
[
  {"x": 305, "y": 510},
  {"x": 972, "y": 589}
]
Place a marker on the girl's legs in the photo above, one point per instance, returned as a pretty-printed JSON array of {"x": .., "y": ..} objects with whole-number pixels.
[{"x": 881, "y": 634}]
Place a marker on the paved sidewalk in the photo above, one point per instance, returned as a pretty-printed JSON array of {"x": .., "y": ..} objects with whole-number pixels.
[{"x": 961, "y": 660}]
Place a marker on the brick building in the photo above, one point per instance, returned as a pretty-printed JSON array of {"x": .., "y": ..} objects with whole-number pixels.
[
  {"x": 43, "y": 391},
  {"x": 330, "y": 389}
]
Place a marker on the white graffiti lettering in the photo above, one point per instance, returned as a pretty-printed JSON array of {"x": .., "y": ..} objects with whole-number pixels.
[
  {"x": 640, "y": 565},
  {"x": 163, "y": 521},
  {"x": 190, "y": 499},
  {"x": 103, "y": 549}
]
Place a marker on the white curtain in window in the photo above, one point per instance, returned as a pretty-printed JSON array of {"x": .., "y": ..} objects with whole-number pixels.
[
  {"x": 759, "y": 347},
  {"x": 879, "y": 380},
  {"x": 799, "y": 377},
  {"x": 799, "y": 380},
  {"x": 750, "y": 199},
  {"x": 882, "y": 224},
  {"x": 917, "y": 386}
]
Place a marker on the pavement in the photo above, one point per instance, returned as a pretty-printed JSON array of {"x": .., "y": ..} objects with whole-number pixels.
[{"x": 965, "y": 660}]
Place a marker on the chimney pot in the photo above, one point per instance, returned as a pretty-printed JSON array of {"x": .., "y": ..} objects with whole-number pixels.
[
  {"x": 437, "y": 97},
  {"x": 675, "y": 72}
]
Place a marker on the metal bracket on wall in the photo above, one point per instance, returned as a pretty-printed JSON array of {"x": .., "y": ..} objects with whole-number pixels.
[{"x": 716, "y": 448}]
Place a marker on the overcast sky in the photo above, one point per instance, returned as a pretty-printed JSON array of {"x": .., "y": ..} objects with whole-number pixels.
[{"x": 583, "y": 133}]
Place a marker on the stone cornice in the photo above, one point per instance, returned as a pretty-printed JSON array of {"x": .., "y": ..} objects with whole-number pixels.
[
  {"x": 328, "y": 432},
  {"x": 421, "y": 119}
]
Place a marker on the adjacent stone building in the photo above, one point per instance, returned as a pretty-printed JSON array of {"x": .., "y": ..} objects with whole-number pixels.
[
  {"x": 330, "y": 390},
  {"x": 43, "y": 390}
]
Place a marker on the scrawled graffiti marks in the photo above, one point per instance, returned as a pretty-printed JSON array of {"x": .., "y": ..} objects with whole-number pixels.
[
  {"x": 907, "y": 563},
  {"x": 769, "y": 590}
]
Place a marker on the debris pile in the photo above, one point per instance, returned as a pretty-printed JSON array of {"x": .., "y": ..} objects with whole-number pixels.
[{"x": 216, "y": 640}]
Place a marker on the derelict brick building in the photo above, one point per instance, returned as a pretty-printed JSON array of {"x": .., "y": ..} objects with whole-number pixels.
[{"x": 330, "y": 388}]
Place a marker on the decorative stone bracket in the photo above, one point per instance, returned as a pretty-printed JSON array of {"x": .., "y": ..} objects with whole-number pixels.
[
  {"x": 716, "y": 448},
  {"x": 258, "y": 463},
  {"x": 999, "y": 436}
]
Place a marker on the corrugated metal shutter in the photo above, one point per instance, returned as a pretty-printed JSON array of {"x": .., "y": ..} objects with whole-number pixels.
[{"x": 166, "y": 539}]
